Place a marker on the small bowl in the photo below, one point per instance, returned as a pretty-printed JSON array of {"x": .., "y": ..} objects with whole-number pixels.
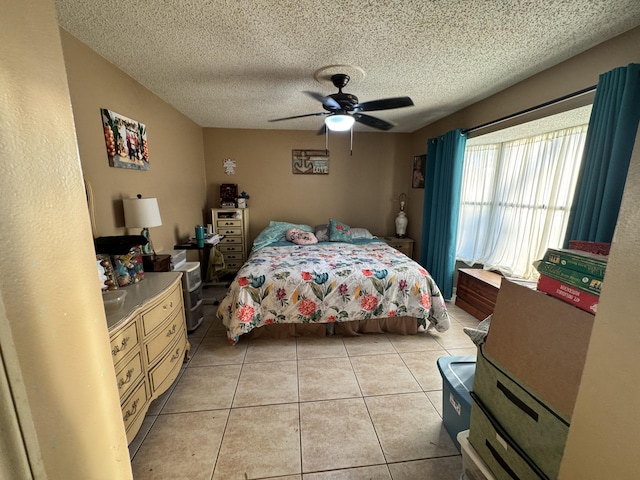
[{"x": 113, "y": 300}]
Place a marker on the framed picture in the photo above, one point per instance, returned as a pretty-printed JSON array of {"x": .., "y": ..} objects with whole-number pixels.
[
  {"x": 310, "y": 162},
  {"x": 419, "y": 163},
  {"x": 126, "y": 141}
]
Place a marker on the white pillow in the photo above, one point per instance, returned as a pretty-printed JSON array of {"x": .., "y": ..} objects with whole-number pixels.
[
  {"x": 322, "y": 232},
  {"x": 361, "y": 233}
]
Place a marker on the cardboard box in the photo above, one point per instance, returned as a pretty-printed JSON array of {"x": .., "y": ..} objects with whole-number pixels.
[
  {"x": 566, "y": 293},
  {"x": 585, "y": 262},
  {"x": 457, "y": 379},
  {"x": 542, "y": 341},
  {"x": 583, "y": 281}
]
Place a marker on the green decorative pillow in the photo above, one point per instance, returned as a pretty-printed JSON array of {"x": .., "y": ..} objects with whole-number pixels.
[{"x": 339, "y": 232}]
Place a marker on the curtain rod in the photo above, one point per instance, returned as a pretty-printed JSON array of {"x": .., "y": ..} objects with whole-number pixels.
[{"x": 531, "y": 109}]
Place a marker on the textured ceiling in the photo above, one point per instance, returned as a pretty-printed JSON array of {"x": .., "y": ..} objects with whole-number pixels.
[{"x": 237, "y": 64}]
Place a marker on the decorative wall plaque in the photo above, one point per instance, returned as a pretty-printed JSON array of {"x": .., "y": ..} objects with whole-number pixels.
[{"x": 310, "y": 162}]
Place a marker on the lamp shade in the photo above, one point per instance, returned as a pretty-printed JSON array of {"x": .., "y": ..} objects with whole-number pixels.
[
  {"x": 339, "y": 123},
  {"x": 141, "y": 212}
]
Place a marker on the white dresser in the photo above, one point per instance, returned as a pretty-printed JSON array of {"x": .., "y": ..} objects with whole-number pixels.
[
  {"x": 233, "y": 224},
  {"x": 148, "y": 343}
]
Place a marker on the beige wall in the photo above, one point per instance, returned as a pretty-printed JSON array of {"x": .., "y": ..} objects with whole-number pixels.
[
  {"x": 567, "y": 77},
  {"x": 176, "y": 175},
  {"x": 605, "y": 426},
  {"x": 48, "y": 282},
  {"x": 360, "y": 190}
]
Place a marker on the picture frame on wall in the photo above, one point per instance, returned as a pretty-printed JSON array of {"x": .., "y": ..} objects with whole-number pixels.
[
  {"x": 126, "y": 141},
  {"x": 419, "y": 164}
]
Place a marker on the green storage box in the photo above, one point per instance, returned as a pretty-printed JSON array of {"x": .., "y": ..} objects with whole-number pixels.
[
  {"x": 536, "y": 428},
  {"x": 503, "y": 456}
]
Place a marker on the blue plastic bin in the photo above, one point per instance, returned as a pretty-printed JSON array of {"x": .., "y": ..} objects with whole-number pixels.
[{"x": 457, "y": 381}]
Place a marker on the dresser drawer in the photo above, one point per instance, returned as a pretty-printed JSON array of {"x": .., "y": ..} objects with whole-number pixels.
[
  {"x": 133, "y": 409},
  {"x": 232, "y": 231},
  {"x": 168, "y": 332},
  {"x": 233, "y": 257},
  {"x": 154, "y": 317},
  {"x": 229, "y": 223},
  {"x": 129, "y": 375},
  {"x": 167, "y": 370},
  {"x": 124, "y": 342},
  {"x": 230, "y": 240},
  {"x": 233, "y": 266},
  {"x": 230, "y": 248}
]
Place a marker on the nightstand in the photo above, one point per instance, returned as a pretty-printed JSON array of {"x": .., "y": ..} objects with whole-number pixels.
[{"x": 404, "y": 245}]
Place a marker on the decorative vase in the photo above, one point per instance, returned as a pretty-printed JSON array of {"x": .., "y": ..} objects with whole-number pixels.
[{"x": 401, "y": 224}]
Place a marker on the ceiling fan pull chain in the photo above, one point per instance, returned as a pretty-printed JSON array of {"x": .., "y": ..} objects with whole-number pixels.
[
  {"x": 351, "y": 146},
  {"x": 326, "y": 140}
]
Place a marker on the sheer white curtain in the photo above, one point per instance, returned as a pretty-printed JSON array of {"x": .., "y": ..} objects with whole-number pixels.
[{"x": 516, "y": 198}]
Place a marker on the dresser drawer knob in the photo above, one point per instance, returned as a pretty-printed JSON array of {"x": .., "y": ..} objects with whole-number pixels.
[
  {"x": 119, "y": 348},
  {"x": 176, "y": 356},
  {"x": 124, "y": 381},
  {"x": 131, "y": 411},
  {"x": 172, "y": 331},
  {"x": 168, "y": 306}
]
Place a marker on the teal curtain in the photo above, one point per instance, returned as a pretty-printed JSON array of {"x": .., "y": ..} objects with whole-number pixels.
[
  {"x": 607, "y": 153},
  {"x": 443, "y": 181}
]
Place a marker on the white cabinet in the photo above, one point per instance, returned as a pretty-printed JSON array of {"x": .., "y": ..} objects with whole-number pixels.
[{"x": 233, "y": 225}]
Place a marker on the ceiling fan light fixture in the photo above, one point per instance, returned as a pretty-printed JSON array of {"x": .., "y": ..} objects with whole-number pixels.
[{"x": 339, "y": 123}]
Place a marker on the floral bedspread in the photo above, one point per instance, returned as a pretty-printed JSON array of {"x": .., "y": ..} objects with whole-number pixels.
[{"x": 330, "y": 282}]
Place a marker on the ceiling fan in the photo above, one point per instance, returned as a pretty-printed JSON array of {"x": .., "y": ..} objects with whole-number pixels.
[{"x": 343, "y": 109}]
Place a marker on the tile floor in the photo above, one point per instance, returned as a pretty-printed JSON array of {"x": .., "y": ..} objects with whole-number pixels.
[{"x": 329, "y": 408}]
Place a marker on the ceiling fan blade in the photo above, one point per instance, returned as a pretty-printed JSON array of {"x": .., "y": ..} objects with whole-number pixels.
[
  {"x": 383, "y": 104},
  {"x": 299, "y": 116},
  {"x": 373, "y": 122},
  {"x": 327, "y": 101}
]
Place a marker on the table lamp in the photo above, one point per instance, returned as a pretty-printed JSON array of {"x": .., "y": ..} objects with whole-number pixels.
[
  {"x": 401, "y": 219},
  {"x": 142, "y": 213}
]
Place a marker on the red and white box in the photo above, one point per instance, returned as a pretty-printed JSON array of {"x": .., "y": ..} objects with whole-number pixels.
[{"x": 579, "y": 298}]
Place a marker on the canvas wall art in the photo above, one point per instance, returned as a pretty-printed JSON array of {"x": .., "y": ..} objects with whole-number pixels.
[{"x": 126, "y": 141}]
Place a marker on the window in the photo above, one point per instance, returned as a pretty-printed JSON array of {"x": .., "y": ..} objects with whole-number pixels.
[{"x": 515, "y": 199}]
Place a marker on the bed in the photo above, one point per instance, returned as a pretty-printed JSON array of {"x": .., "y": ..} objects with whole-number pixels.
[{"x": 345, "y": 283}]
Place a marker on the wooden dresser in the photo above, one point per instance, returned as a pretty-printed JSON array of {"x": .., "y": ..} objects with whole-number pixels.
[
  {"x": 477, "y": 291},
  {"x": 148, "y": 344},
  {"x": 233, "y": 224}
]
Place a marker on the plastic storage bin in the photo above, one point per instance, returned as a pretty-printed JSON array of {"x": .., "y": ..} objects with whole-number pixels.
[
  {"x": 192, "y": 293},
  {"x": 457, "y": 381},
  {"x": 473, "y": 468}
]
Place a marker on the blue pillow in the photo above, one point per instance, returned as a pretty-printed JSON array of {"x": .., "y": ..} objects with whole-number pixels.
[
  {"x": 275, "y": 232},
  {"x": 339, "y": 232}
]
